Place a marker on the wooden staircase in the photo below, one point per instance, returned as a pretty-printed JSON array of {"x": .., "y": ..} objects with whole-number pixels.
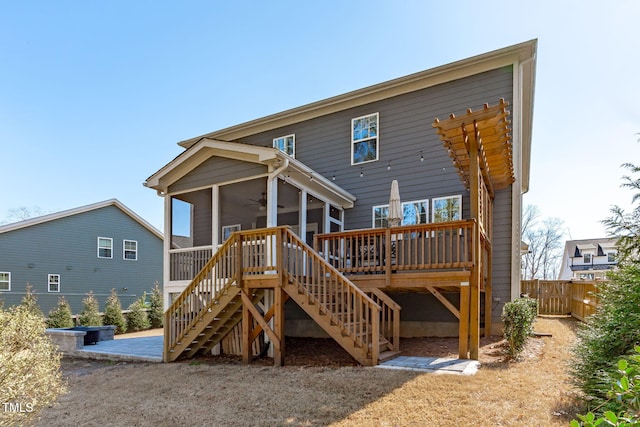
[{"x": 256, "y": 260}]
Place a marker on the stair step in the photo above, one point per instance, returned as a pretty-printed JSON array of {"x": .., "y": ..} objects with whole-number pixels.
[{"x": 388, "y": 355}]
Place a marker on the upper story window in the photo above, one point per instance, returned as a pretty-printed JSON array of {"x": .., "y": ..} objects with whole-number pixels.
[
  {"x": 54, "y": 283},
  {"x": 286, "y": 144},
  {"x": 5, "y": 281},
  {"x": 364, "y": 139},
  {"x": 130, "y": 250},
  {"x": 447, "y": 209},
  {"x": 105, "y": 247},
  {"x": 611, "y": 257},
  {"x": 586, "y": 258}
]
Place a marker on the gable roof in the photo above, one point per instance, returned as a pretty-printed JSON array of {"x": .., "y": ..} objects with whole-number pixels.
[{"x": 79, "y": 210}]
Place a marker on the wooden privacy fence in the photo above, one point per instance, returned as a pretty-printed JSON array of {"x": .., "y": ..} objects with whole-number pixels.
[{"x": 577, "y": 298}]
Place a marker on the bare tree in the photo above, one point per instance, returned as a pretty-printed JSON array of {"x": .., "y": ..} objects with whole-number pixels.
[
  {"x": 22, "y": 213},
  {"x": 545, "y": 245}
]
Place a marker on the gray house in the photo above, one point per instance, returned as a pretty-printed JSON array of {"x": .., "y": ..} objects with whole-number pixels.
[
  {"x": 300, "y": 201},
  {"x": 97, "y": 248}
]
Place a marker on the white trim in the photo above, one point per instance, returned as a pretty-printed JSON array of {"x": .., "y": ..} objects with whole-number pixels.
[
  {"x": 111, "y": 248},
  {"x": 9, "y": 281},
  {"x": 370, "y": 138},
  {"x": 49, "y": 282},
  {"x": 284, "y": 140},
  {"x": 124, "y": 250}
]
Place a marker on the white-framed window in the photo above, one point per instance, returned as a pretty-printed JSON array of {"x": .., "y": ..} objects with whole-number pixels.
[
  {"x": 105, "y": 247},
  {"x": 413, "y": 212},
  {"x": 130, "y": 250},
  {"x": 445, "y": 209},
  {"x": 53, "y": 283},
  {"x": 286, "y": 144},
  {"x": 5, "y": 281},
  {"x": 228, "y": 229},
  {"x": 611, "y": 257},
  {"x": 586, "y": 258},
  {"x": 365, "y": 134}
]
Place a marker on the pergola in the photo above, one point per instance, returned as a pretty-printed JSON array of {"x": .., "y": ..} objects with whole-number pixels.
[{"x": 480, "y": 147}]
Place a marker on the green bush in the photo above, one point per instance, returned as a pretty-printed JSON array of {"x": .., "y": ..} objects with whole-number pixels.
[
  {"x": 30, "y": 376},
  {"x": 60, "y": 315},
  {"x": 611, "y": 333},
  {"x": 625, "y": 391},
  {"x": 113, "y": 313},
  {"x": 90, "y": 314},
  {"x": 137, "y": 319},
  {"x": 518, "y": 317},
  {"x": 156, "y": 315}
]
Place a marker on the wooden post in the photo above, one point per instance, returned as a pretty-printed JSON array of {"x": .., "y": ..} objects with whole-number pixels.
[
  {"x": 488, "y": 297},
  {"x": 463, "y": 329},
  {"x": 476, "y": 272},
  {"x": 246, "y": 332},
  {"x": 278, "y": 326},
  {"x": 387, "y": 257}
]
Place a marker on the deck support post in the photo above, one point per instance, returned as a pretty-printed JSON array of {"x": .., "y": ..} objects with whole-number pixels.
[
  {"x": 476, "y": 272},
  {"x": 463, "y": 329},
  {"x": 278, "y": 326},
  {"x": 246, "y": 331}
]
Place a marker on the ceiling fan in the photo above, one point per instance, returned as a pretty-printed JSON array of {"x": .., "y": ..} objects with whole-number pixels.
[{"x": 262, "y": 202}]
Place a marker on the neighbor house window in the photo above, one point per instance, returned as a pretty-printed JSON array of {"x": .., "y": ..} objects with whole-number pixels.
[
  {"x": 286, "y": 144},
  {"x": 611, "y": 257},
  {"x": 364, "y": 139},
  {"x": 5, "y": 281},
  {"x": 447, "y": 209},
  {"x": 586, "y": 258},
  {"x": 414, "y": 212},
  {"x": 130, "y": 250},
  {"x": 105, "y": 247},
  {"x": 54, "y": 283}
]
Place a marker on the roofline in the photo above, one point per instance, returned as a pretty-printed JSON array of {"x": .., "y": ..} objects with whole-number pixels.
[
  {"x": 523, "y": 53},
  {"x": 75, "y": 211}
]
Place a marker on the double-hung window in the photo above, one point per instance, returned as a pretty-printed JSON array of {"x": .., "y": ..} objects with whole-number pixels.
[
  {"x": 364, "y": 139},
  {"x": 5, "y": 281},
  {"x": 130, "y": 250},
  {"x": 445, "y": 209},
  {"x": 286, "y": 144},
  {"x": 54, "y": 283},
  {"x": 105, "y": 247}
]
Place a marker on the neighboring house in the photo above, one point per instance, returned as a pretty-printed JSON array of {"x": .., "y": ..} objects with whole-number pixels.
[
  {"x": 96, "y": 248},
  {"x": 589, "y": 259},
  {"x": 326, "y": 169}
]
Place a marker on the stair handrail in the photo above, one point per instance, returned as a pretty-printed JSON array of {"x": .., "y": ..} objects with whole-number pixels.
[
  {"x": 185, "y": 310},
  {"x": 307, "y": 268}
]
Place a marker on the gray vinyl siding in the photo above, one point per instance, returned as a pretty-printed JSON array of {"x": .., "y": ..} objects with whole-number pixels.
[
  {"x": 68, "y": 247},
  {"x": 216, "y": 170},
  {"x": 502, "y": 251}
]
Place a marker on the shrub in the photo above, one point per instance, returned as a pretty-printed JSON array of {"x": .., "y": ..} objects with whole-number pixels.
[
  {"x": 156, "y": 315},
  {"x": 518, "y": 317},
  {"x": 137, "y": 319},
  {"x": 626, "y": 392},
  {"x": 30, "y": 376},
  {"x": 90, "y": 314},
  {"x": 30, "y": 302},
  {"x": 60, "y": 315},
  {"x": 113, "y": 313}
]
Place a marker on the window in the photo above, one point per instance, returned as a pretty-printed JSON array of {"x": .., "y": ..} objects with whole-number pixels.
[
  {"x": 5, "y": 281},
  {"x": 286, "y": 144},
  {"x": 105, "y": 247},
  {"x": 130, "y": 250},
  {"x": 414, "y": 212},
  {"x": 611, "y": 257},
  {"x": 447, "y": 209},
  {"x": 54, "y": 283},
  {"x": 364, "y": 139},
  {"x": 228, "y": 229},
  {"x": 586, "y": 258}
]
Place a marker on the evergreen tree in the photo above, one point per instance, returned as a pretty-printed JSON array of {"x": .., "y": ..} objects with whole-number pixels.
[
  {"x": 113, "y": 313},
  {"x": 90, "y": 314},
  {"x": 60, "y": 315},
  {"x": 30, "y": 302},
  {"x": 156, "y": 315},
  {"x": 137, "y": 319}
]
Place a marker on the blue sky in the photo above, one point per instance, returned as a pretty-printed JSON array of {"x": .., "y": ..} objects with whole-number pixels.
[{"x": 95, "y": 95}]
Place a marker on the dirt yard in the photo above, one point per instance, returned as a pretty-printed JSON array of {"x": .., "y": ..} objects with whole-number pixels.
[{"x": 321, "y": 385}]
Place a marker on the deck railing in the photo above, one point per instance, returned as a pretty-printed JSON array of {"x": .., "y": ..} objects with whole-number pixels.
[
  {"x": 185, "y": 263},
  {"x": 447, "y": 245}
]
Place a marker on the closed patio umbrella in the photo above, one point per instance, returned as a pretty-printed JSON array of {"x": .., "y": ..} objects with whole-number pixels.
[{"x": 395, "y": 208}]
